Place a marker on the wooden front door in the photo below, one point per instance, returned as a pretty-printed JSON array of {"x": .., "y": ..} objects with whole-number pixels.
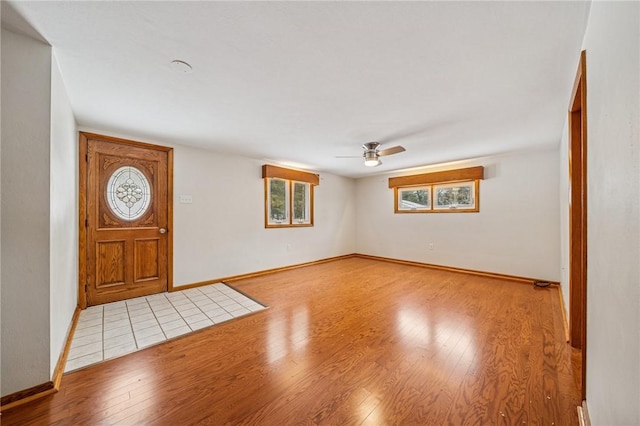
[{"x": 126, "y": 220}]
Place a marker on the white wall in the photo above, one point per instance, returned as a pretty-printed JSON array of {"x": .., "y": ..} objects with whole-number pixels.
[
  {"x": 64, "y": 215},
  {"x": 612, "y": 42},
  {"x": 222, "y": 232},
  {"x": 565, "y": 196},
  {"x": 516, "y": 231},
  {"x": 26, "y": 91}
]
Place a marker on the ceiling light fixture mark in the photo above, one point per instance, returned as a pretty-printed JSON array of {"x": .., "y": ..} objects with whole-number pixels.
[{"x": 181, "y": 66}]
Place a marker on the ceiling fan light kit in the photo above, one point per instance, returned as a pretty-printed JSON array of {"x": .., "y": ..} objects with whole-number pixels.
[
  {"x": 372, "y": 155},
  {"x": 371, "y": 159}
]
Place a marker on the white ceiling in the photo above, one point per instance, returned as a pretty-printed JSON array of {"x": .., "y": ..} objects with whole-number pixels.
[{"x": 300, "y": 83}]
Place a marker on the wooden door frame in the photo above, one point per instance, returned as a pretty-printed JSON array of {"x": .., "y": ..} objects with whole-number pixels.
[
  {"x": 577, "y": 124},
  {"x": 82, "y": 206}
]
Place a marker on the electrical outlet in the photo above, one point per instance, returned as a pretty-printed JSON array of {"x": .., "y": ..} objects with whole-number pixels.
[
  {"x": 431, "y": 246},
  {"x": 289, "y": 247}
]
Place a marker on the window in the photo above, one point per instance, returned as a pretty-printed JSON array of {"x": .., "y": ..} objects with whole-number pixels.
[
  {"x": 278, "y": 194},
  {"x": 414, "y": 198},
  {"x": 451, "y": 191},
  {"x": 450, "y": 196},
  {"x": 301, "y": 202},
  {"x": 288, "y": 197}
]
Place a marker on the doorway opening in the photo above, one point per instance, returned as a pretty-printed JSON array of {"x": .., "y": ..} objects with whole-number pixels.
[{"x": 578, "y": 217}]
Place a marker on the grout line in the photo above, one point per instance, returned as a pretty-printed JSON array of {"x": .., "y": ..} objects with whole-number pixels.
[
  {"x": 103, "y": 318},
  {"x": 131, "y": 325},
  {"x": 154, "y": 315}
]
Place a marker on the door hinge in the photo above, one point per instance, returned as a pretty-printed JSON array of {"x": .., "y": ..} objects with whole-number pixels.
[
  {"x": 86, "y": 223},
  {"x": 86, "y": 288},
  {"x": 86, "y": 158}
]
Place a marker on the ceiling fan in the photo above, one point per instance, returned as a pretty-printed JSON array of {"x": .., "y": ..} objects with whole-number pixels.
[{"x": 372, "y": 153}]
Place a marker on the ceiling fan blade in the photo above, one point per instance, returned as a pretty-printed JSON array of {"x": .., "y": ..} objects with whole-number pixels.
[
  {"x": 348, "y": 156},
  {"x": 392, "y": 150}
]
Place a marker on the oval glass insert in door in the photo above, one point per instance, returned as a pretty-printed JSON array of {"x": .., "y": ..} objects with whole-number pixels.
[{"x": 128, "y": 193}]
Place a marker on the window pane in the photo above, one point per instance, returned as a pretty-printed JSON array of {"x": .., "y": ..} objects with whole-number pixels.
[
  {"x": 455, "y": 196},
  {"x": 277, "y": 201},
  {"x": 128, "y": 193},
  {"x": 418, "y": 198},
  {"x": 301, "y": 204}
]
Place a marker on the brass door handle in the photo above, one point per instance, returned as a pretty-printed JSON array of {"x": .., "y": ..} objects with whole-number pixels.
[{"x": 162, "y": 231}]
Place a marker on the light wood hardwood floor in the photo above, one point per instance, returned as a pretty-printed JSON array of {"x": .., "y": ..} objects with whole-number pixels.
[{"x": 349, "y": 342}]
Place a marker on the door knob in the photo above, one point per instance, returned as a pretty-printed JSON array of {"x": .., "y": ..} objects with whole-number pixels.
[{"x": 162, "y": 230}]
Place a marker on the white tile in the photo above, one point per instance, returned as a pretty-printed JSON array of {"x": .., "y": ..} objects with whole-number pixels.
[
  {"x": 124, "y": 339},
  {"x": 84, "y": 315},
  {"x": 162, "y": 312},
  {"x": 150, "y": 340},
  {"x": 139, "y": 309},
  {"x": 215, "y": 312},
  {"x": 195, "y": 318},
  {"x": 83, "y": 350},
  {"x": 160, "y": 306},
  {"x": 116, "y": 324},
  {"x": 120, "y": 350},
  {"x": 126, "y": 329},
  {"x": 168, "y": 318},
  {"x": 240, "y": 312},
  {"x": 250, "y": 304},
  {"x": 74, "y": 364},
  {"x": 177, "y": 332},
  {"x": 110, "y": 317},
  {"x": 114, "y": 306},
  {"x": 221, "y": 318},
  {"x": 144, "y": 324},
  {"x": 173, "y": 324},
  {"x": 198, "y": 297},
  {"x": 143, "y": 317},
  {"x": 189, "y": 312},
  {"x": 206, "y": 305},
  {"x": 155, "y": 297},
  {"x": 234, "y": 307},
  {"x": 146, "y": 332},
  {"x": 200, "y": 324},
  {"x": 88, "y": 330},
  {"x": 176, "y": 296},
  {"x": 117, "y": 311},
  {"x": 225, "y": 303},
  {"x": 92, "y": 309},
  {"x": 88, "y": 323},
  {"x": 182, "y": 302},
  {"x": 137, "y": 301},
  {"x": 85, "y": 340},
  {"x": 256, "y": 308}
]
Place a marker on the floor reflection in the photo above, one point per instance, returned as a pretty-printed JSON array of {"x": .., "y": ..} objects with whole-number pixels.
[{"x": 287, "y": 332}]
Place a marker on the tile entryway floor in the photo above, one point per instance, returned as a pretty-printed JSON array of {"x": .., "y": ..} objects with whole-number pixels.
[{"x": 114, "y": 329}]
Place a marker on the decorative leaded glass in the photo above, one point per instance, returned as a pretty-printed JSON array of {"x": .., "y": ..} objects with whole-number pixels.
[{"x": 128, "y": 193}]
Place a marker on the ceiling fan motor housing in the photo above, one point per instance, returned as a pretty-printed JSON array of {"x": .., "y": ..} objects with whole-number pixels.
[
  {"x": 370, "y": 155},
  {"x": 371, "y": 146}
]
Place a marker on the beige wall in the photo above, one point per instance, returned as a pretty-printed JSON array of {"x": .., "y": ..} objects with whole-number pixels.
[
  {"x": 63, "y": 249},
  {"x": 222, "y": 232},
  {"x": 26, "y": 93},
  {"x": 612, "y": 43},
  {"x": 516, "y": 231}
]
